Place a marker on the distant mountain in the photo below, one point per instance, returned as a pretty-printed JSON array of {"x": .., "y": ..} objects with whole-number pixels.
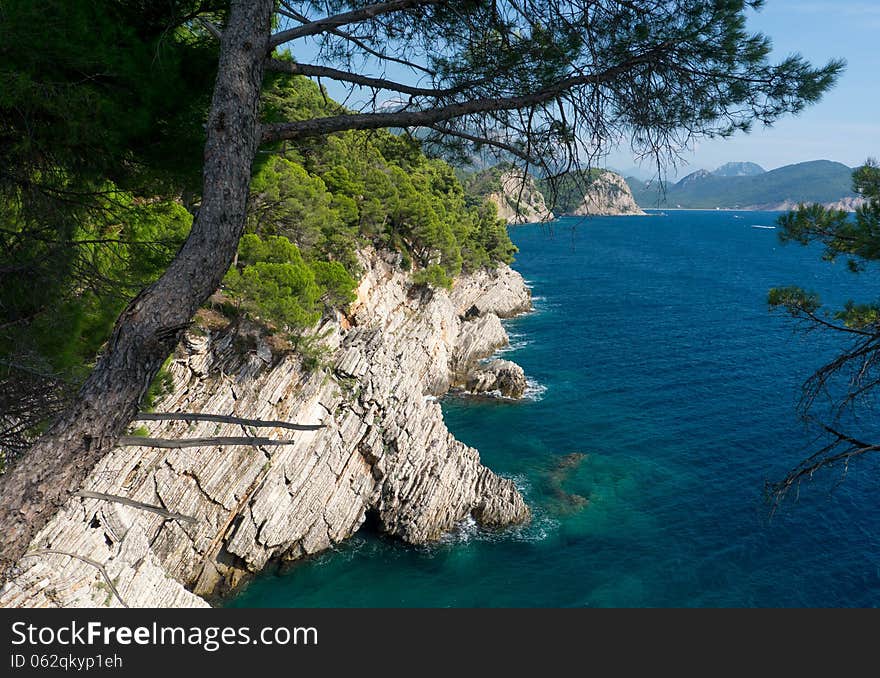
[
  {"x": 739, "y": 169},
  {"x": 639, "y": 172},
  {"x": 819, "y": 181},
  {"x": 694, "y": 179}
]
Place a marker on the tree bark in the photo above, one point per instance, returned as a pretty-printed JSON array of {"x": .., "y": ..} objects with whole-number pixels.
[{"x": 152, "y": 324}]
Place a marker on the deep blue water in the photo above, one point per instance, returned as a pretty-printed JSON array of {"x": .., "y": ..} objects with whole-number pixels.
[{"x": 663, "y": 367}]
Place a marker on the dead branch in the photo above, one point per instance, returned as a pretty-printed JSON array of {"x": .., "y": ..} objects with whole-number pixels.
[
  {"x": 224, "y": 419},
  {"x": 220, "y": 441},
  {"x": 87, "y": 561},
  {"x": 88, "y": 494}
]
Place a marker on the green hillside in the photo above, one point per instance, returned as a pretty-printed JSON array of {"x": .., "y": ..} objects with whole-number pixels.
[
  {"x": 566, "y": 194},
  {"x": 483, "y": 182},
  {"x": 816, "y": 181},
  {"x": 70, "y": 267}
]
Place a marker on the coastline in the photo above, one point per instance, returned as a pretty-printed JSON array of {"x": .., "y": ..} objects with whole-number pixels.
[{"x": 384, "y": 452}]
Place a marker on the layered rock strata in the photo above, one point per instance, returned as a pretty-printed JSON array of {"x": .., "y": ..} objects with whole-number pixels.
[{"x": 384, "y": 450}]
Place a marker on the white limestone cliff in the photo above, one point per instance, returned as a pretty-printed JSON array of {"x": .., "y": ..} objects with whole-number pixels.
[
  {"x": 519, "y": 201},
  {"x": 384, "y": 449},
  {"x": 608, "y": 195}
]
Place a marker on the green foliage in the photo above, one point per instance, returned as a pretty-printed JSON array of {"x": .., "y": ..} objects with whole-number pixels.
[
  {"x": 275, "y": 283},
  {"x": 432, "y": 276},
  {"x": 795, "y": 300},
  {"x": 859, "y": 316},
  {"x": 103, "y": 89},
  {"x": 102, "y": 108},
  {"x": 486, "y": 181},
  {"x": 857, "y": 238},
  {"x": 288, "y": 201},
  {"x": 356, "y": 187},
  {"x": 102, "y": 105},
  {"x": 853, "y": 236},
  {"x": 313, "y": 353},
  {"x": 335, "y": 282},
  {"x": 853, "y": 375},
  {"x": 162, "y": 385},
  {"x": 84, "y": 276},
  {"x": 311, "y": 207},
  {"x": 102, "y": 116}
]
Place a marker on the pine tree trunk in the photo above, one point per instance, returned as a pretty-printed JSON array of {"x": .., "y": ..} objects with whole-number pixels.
[{"x": 153, "y": 323}]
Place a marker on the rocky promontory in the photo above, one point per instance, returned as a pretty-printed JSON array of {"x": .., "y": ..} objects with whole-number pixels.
[
  {"x": 518, "y": 200},
  {"x": 608, "y": 195},
  {"x": 163, "y": 527},
  {"x": 518, "y": 197}
]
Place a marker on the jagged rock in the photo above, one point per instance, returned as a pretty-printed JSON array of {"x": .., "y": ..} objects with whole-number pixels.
[
  {"x": 477, "y": 339},
  {"x": 384, "y": 448},
  {"x": 501, "y": 291},
  {"x": 608, "y": 195},
  {"x": 519, "y": 200},
  {"x": 499, "y": 376}
]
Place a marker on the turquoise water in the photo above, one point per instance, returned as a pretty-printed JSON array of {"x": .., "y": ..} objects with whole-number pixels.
[{"x": 664, "y": 399}]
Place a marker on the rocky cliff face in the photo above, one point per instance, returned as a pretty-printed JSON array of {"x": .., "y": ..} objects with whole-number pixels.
[
  {"x": 608, "y": 195},
  {"x": 384, "y": 450},
  {"x": 520, "y": 201}
]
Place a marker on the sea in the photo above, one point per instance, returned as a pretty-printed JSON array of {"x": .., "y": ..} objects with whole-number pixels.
[{"x": 662, "y": 398}]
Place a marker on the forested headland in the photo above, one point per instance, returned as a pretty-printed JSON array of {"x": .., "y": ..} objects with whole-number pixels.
[{"x": 102, "y": 194}]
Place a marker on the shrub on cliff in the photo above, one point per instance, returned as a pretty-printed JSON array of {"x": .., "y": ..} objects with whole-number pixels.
[
  {"x": 432, "y": 276},
  {"x": 274, "y": 283}
]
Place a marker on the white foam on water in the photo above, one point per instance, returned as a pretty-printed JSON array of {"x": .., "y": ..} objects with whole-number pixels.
[
  {"x": 514, "y": 345},
  {"x": 535, "y": 390},
  {"x": 539, "y": 528},
  {"x": 465, "y": 531},
  {"x": 493, "y": 395}
]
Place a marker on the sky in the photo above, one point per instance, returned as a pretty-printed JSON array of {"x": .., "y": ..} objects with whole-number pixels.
[{"x": 844, "y": 126}]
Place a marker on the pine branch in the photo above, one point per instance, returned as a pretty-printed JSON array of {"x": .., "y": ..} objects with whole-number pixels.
[{"x": 355, "y": 16}]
